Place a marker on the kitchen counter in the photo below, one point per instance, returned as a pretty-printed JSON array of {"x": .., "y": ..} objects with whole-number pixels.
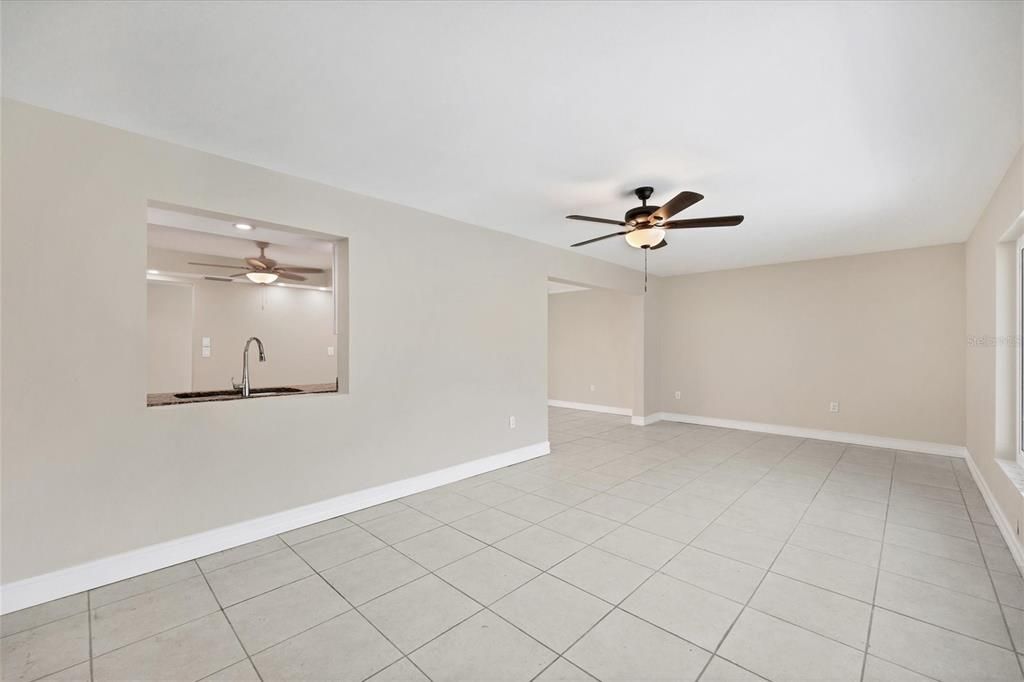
[{"x": 161, "y": 399}]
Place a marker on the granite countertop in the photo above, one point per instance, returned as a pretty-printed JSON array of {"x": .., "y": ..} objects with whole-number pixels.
[{"x": 160, "y": 399}]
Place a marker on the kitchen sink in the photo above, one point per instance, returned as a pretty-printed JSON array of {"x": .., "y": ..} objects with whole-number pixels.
[{"x": 256, "y": 391}]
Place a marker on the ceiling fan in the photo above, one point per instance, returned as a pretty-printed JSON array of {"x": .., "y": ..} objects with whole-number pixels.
[
  {"x": 263, "y": 270},
  {"x": 646, "y": 225}
]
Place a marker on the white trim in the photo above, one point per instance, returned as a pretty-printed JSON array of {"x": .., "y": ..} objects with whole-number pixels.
[
  {"x": 36, "y": 590},
  {"x": 818, "y": 434},
  {"x": 639, "y": 421},
  {"x": 1006, "y": 529},
  {"x": 1018, "y": 360},
  {"x": 607, "y": 409}
]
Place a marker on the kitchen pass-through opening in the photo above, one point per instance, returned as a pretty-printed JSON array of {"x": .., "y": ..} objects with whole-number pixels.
[{"x": 239, "y": 308}]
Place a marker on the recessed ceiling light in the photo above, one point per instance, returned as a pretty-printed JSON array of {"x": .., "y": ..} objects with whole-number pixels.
[
  {"x": 243, "y": 226},
  {"x": 324, "y": 289}
]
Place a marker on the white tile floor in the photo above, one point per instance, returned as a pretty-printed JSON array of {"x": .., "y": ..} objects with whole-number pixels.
[{"x": 667, "y": 552}]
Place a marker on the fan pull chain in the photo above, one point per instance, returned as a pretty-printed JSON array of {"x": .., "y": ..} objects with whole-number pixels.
[{"x": 645, "y": 270}]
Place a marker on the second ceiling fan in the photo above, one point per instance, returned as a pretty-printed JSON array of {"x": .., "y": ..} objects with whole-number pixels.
[
  {"x": 646, "y": 225},
  {"x": 263, "y": 270}
]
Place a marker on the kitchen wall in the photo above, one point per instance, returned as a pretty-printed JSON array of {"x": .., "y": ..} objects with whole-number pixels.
[
  {"x": 437, "y": 367},
  {"x": 169, "y": 336},
  {"x": 296, "y": 327},
  {"x": 592, "y": 341},
  {"x": 882, "y": 334}
]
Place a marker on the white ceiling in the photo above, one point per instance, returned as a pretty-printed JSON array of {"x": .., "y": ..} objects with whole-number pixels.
[
  {"x": 202, "y": 234},
  {"x": 836, "y": 128}
]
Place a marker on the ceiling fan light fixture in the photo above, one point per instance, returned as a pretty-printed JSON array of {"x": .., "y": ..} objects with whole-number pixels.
[
  {"x": 261, "y": 277},
  {"x": 645, "y": 237},
  {"x": 243, "y": 226}
]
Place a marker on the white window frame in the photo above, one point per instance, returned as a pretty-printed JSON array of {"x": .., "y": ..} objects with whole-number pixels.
[{"x": 1018, "y": 346}]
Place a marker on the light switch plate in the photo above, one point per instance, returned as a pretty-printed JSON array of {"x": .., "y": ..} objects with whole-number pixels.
[
  {"x": 206, "y": 351},
  {"x": 330, "y": 350}
]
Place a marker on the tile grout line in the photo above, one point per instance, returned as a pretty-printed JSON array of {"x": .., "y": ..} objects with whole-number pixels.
[
  {"x": 542, "y": 572},
  {"x": 878, "y": 573},
  {"x": 768, "y": 570},
  {"x": 617, "y": 606},
  {"x": 88, "y": 616},
  {"x": 361, "y": 615},
  {"x": 999, "y": 603},
  {"x": 228, "y": 620}
]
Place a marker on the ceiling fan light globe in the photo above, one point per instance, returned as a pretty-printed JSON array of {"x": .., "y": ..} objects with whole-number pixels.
[
  {"x": 261, "y": 277},
  {"x": 645, "y": 238}
]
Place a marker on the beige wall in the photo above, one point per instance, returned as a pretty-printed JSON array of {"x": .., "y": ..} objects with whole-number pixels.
[
  {"x": 93, "y": 471},
  {"x": 592, "y": 342},
  {"x": 295, "y": 325},
  {"x": 984, "y": 328},
  {"x": 169, "y": 336},
  {"x": 883, "y": 334}
]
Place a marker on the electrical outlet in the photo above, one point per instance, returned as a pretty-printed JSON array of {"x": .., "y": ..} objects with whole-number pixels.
[
  {"x": 679, "y": 394},
  {"x": 593, "y": 388},
  {"x": 833, "y": 406},
  {"x": 512, "y": 422},
  {"x": 330, "y": 350}
]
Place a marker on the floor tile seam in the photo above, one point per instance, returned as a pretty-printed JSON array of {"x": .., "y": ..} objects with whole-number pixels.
[
  {"x": 64, "y": 669},
  {"x": 934, "y": 584},
  {"x": 88, "y": 605},
  {"x": 356, "y": 609},
  {"x": 984, "y": 566},
  {"x": 617, "y": 606},
  {"x": 157, "y": 634},
  {"x": 49, "y": 622},
  {"x": 999, "y": 601},
  {"x": 228, "y": 620},
  {"x": 944, "y": 628},
  {"x": 642, "y": 583},
  {"x": 240, "y": 561},
  {"x": 152, "y": 589},
  {"x": 43, "y": 625},
  {"x": 767, "y": 571},
  {"x": 874, "y": 590}
]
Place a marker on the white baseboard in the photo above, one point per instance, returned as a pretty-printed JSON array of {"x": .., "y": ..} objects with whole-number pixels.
[
  {"x": 606, "y": 409},
  {"x": 1006, "y": 529},
  {"x": 817, "y": 434},
  {"x": 36, "y": 590}
]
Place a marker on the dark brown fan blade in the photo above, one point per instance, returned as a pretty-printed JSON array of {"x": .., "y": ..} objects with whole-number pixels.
[
  {"x": 288, "y": 275},
  {"x": 595, "y": 220},
  {"x": 293, "y": 268},
  {"x": 214, "y": 265},
  {"x": 720, "y": 221},
  {"x": 679, "y": 202},
  {"x": 659, "y": 245},
  {"x": 597, "y": 239}
]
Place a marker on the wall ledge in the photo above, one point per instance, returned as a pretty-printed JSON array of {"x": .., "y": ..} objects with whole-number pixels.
[
  {"x": 61, "y": 583},
  {"x": 1006, "y": 528},
  {"x": 926, "y": 447},
  {"x": 589, "y": 407}
]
